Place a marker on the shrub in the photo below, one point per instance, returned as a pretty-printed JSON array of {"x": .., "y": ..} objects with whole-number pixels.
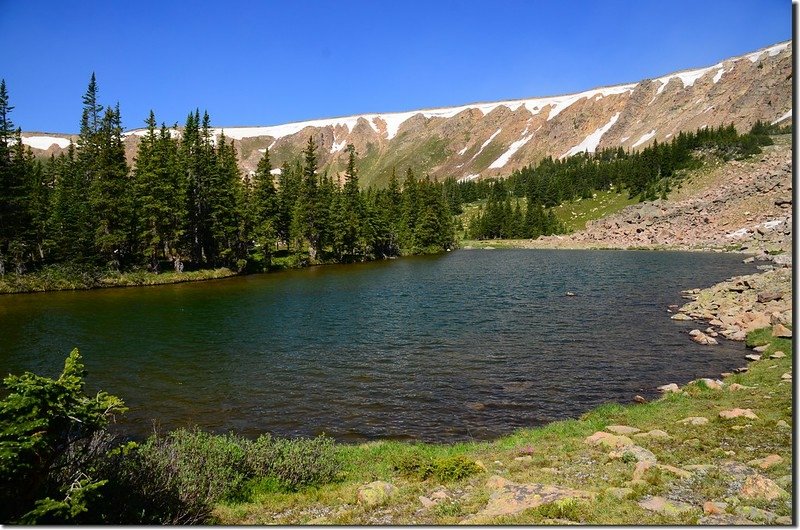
[
  {"x": 446, "y": 469},
  {"x": 295, "y": 463},
  {"x": 51, "y": 433}
]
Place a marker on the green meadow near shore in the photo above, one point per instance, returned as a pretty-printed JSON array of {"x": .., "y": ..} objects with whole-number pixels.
[{"x": 709, "y": 452}]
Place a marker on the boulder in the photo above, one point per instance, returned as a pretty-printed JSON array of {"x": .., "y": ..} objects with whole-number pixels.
[
  {"x": 738, "y": 413},
  {"x": 766, "y": 462},
  {"x": 759, "y": 487},
  {"x": 752, "y": 357},
  {"x": 666, "y": 506},
  {"x": 508, "y": 498},
  {"x": 769, "y": 296},
  {"x": 640, "y": 454},
  {"x": 655, "y": 433},
  {"x": 610, "y": 441},
  {"x": 622, "y": 429},
  {"x": 779, "y": 330},
  {"x": 714, "y": 508},
  {"x": 375, "y": 493},
  {"x": 777, "y": 355},
  {"x": 671, "y": 387},
  {"x": 680, "y": 316},
  {"x": 694, "y": 420}
]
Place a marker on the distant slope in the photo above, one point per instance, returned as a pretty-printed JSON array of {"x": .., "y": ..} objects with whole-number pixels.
[{"x": 491, "y": 139}]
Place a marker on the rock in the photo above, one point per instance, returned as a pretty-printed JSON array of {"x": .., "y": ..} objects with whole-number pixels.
[
  {"x": 736, "y": 387},
  {"x": 611, "y": 441},
  {"x": 619, "y": 493},
  {"x": 672, "y": 387},
  {"x": 508, "y": 498},
  {"x": 639, "y": 470},
  {"x": 787, "y": 376},
  {"x": 665, "y": 506},
  {"x": 639, "y": 399},
  {"x": 714, "y": 508},
  {"x": 769, "y": 296},
  {"x": 761, "y": 349},
  {"x": 375, "y": 493},
  {"x": 785, "y": 481},
  {"x": 752, "y": 357},
  {"x": 622, "y": 429},
  {"x": 694, "y": 420},
  {"x": 777, "y": 355},
  {"x": 701, "y": 338},
  {"x": 779, "y": 330},
  {"x": 655, "y": 433},
  {"x": 767, "y": 461},
  {"x": 680, "y": 316},
  {"x": 640, "y": 454},
  {"x": 782, "y": 424},
  {"x": 755, "y": 514},
  {"x": 724, "y": 520},
  {"x": 711, "y": 384},
  {"x": 740, "y": 370},
  {"x": 737, "y": 413},
  {"x": 526, "y": 458},
  {"x": 674, "y": 470},
  {"x": 760, "y": 487},
  {"x": 426, "y": 502}
]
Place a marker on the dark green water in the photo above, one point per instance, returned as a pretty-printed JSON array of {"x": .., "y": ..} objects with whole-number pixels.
[{"x": 471, "y": 344}]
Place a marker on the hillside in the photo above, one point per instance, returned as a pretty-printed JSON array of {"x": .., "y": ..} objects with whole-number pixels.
[{"x": 492, "y": 139}]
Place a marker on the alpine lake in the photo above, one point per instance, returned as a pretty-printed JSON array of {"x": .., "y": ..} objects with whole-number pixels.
[{"x": 471, "y": 344}]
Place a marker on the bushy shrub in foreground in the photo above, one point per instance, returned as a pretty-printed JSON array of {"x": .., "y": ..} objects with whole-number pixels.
[{"x": 59, "y": 465}]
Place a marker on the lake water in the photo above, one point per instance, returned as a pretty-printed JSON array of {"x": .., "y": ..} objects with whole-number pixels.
[{"x": 466, "y": 345}]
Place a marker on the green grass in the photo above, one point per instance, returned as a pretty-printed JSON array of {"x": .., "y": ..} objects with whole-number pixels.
[
  {"x": 559, "y": 446},
  {"x": 575, "y": 214}
]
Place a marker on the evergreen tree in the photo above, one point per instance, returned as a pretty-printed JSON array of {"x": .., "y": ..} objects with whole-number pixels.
[
  {"x": 305, "y": 222},
  {"x": 159, "y": 198},
  {"x": 264, "y": 210}
]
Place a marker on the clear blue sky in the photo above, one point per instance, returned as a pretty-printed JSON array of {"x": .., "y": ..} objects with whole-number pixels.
[{"x": 263, "y": 63}]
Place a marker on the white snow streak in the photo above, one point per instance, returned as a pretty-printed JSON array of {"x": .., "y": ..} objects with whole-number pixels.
[
  {"x": 467, "y": 178},
  {"x": 590, "y": 143},
  {"x": 487, "y": 142},
  {"x": 44, "y": 142},
  {"x": 645, "y": 137},
  {"x": 785, "y": 116},
  {"x": 338, "y": 146},
  {"x": 513, "y": 148},
  {"x": 718, "y": 75}
]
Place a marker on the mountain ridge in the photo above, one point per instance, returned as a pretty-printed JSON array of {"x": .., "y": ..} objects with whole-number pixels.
[{"x": 488, "y": 139}]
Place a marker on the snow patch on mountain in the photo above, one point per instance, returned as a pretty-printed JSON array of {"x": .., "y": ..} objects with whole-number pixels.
[
  {"x": 591, "y": 142},
  {"x": 645, "y": 137},
  {"x": 487, "y": 142},
  {"x": 785, "y": 116},
  {"x": 513, "y": 148},
  {"x": 45, "y": 142}
]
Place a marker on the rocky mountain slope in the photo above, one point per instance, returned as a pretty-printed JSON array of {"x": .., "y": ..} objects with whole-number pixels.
[
  {"x": 738, "y": 205},
  {"x": 492, "y": 139}
]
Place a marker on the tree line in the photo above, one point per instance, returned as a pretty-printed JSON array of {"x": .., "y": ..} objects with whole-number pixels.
[{"x": 185, "y": 203}]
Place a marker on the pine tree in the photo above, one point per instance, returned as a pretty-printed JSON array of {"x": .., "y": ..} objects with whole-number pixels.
[
  {"x": 159, "y": 198},
  {"x": 305, "y": 220},
  {"x": 110, "y": 192},
  {"x": 263, "y": 210}
]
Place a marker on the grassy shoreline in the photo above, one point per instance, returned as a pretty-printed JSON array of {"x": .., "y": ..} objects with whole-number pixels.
[
  {"x": 70, "y": 279},
  {"x": 693, "y": 464}
]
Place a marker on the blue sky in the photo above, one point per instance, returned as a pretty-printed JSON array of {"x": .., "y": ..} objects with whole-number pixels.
[{"x": 264, "y": 63}]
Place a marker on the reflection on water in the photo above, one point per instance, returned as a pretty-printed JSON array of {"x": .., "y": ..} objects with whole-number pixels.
[{"x": 471, "y": 344}]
